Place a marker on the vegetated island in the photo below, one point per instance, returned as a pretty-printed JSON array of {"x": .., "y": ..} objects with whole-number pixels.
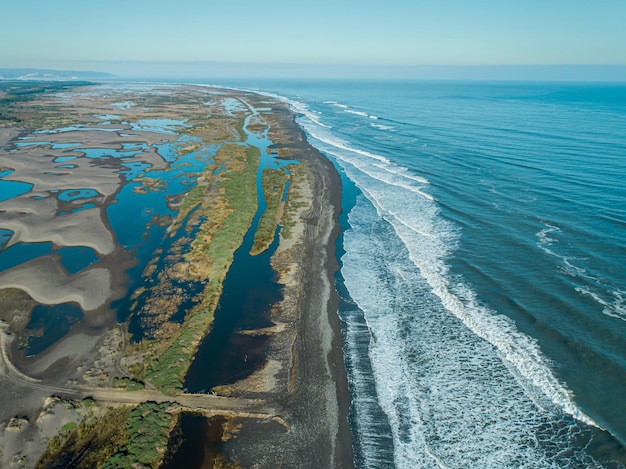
[{"x": 124, "y": 211}]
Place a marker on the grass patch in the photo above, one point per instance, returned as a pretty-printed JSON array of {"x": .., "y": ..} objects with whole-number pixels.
[
  {"x": 166, "y": 370},
  {"x": 68, "y": 427},
  {"x": 193, "y": 198},
  {"x": 294, "y": 200},
  {"x": 240, "y": 129},
  {"x": 147, "y": 431},
  {"x": 124, "y": 437},
  {"x": 273, "y": 182},
  {"x": 88, "y": 444},
  {"x": 129, "y": 384},
  {"x": 15, "y": 93}
]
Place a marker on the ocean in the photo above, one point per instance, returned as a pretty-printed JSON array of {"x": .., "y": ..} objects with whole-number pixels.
[{"x": 483, "y": 267}]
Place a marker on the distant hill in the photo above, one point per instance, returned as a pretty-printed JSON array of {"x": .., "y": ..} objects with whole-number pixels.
[{"x": 51, "y": 75}]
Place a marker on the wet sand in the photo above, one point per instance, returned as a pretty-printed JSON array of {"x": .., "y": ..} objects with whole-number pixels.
[{"x": 323, "y": 381}]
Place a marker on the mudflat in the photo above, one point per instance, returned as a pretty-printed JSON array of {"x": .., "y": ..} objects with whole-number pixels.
[{"x": 132, "y": 200}]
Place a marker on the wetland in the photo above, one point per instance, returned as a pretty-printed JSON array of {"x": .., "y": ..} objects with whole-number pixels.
[{"x": 166, "y": 251}]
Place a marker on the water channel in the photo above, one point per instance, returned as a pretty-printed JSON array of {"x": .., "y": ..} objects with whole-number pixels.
[{"x": 250, "y": 290}]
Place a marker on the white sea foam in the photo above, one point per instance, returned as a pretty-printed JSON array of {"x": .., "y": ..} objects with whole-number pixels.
[
  {"x": 517, "y": 349},
  {"x": 544, "y": 238},
  {"x": 356, "y": 113},
  {"x": 613, "y": 302},
  {"x": 303, "y": 109},
  {"x": 450, "y": 399},
  {"x": 402, "y": 171},
  {"x": 296, "y": 106},
  {"x": 335, "y": 142},
  {"x": 476, "y": 401},
  {"x": 382, "y": 127},
  {"x": 566, "y": 262},
  {"x": 335, "y": 103},
  {"x": 400, "y": 209},
  {"x": 615, "y": 308},
  {"x": 413, "y": 214},
  {"x": 390, "y": 174}
]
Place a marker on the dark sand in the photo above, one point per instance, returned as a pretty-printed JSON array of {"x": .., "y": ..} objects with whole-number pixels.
[{"x": 305, "y": 378}]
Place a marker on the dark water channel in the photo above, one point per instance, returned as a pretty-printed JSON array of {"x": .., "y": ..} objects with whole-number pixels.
[
  {"x": 198, "y": 442},
  {"x": 249, "y": 291}
]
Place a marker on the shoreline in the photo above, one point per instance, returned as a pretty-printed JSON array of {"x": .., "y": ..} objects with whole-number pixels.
[{"x": 322, "y": 237}]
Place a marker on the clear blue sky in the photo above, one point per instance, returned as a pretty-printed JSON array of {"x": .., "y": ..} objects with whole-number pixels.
[{"x": 79, "y": 34}]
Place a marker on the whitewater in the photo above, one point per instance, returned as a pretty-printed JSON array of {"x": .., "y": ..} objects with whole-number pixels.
[{"x": 482, "y": 268}]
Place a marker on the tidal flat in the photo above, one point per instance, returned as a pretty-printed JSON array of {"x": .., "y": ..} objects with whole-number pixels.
[{"x": 124, "y": 209}]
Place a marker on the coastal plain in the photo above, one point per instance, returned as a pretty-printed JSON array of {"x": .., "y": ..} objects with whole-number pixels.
[{"x": 123, "y": 210}]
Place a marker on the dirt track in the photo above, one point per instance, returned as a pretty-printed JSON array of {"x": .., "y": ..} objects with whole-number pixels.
[{"x": 112, "y": 396}]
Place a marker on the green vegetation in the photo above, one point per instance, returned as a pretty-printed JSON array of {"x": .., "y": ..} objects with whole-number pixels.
[
  {"x": 147, "y": 429},
  {"x": 240, "y": 193},
  {"x": 240, "y": 130},
  {"x": 226, "y": 202},
  {"x": 14, "y": 93},
  {"x": 124, "y": 437},
  {"x": 193, "y": 198},
  {"x": 186, "y": 149},
  {"x": 273, "y": 181},
  {"x": 294, "y": 201},
  {"x": 167, "y": 370},
  {"x": 88, "y": 444},
  {"x": 129, "y": 384},
  {"x": 22, "y": 90},
  {"x": 68, "y": 427},
  {"x": 215, "y": 245}
]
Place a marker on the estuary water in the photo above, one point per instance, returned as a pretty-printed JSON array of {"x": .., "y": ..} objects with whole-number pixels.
[
  {"x": 483, "y": 268},
  {"x": 227, "y": 353}
]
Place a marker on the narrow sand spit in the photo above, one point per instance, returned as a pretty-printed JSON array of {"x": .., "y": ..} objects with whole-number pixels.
[{"x": 305, "y": 373}]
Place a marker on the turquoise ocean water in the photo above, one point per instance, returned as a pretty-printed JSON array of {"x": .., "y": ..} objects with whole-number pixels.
[{"x": 483, "y": 267}]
